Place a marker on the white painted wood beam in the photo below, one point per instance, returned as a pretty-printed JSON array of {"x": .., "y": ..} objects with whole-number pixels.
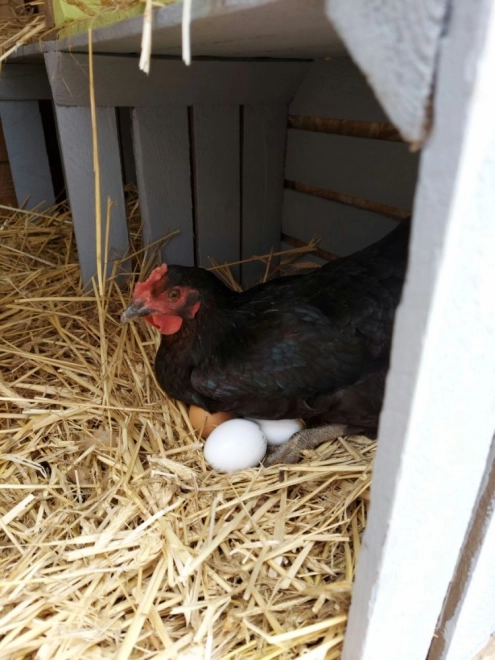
[
  {"x": 468, "y": 617},
  {"x": 396, "y": 45},
  {"x": 439, "y": 413}
]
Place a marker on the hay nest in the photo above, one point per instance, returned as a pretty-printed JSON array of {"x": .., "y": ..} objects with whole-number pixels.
[
  {"x": 20, "y": 24},
  {"x": 117, "y": 540}
]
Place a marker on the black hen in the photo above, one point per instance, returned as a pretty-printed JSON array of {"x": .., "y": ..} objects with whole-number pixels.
[{"x": 312, "y": 346}]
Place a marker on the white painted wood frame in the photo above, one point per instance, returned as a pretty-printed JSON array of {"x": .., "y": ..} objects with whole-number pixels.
[
  {"x": 468, "y": 616},
  {"x": 439, "y": 412},
  {"x": 396, "y": 45}
]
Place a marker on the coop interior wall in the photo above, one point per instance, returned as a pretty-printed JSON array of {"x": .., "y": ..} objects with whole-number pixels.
[{"x": 370, "y": 170}]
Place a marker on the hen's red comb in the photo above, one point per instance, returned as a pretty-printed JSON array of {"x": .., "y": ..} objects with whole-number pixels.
[{"x": 143, "y": 289}]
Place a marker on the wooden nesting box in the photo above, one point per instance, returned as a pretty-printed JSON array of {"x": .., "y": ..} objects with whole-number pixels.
[{"x": 274, "y": 135}]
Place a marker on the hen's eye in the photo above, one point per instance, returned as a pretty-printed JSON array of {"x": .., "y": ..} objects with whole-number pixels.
[{"x": 174, "y": 294}]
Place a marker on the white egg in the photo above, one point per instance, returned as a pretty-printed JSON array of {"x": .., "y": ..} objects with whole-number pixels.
[
  {"x": 235, "y": 445},
  {"x": 278, "y": 431}
]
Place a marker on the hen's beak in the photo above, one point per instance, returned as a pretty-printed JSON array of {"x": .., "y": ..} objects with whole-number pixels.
[{"x": 134, "y": 311}]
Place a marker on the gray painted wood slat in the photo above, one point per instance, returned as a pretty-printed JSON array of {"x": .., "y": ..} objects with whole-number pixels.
[
  {"x": 26, "y": 147},
  {"x": 171, "y": 82},
  {"x": 230, "y": 28},
  {"x": 161, "y": 145},
  {"x": 263, "y": 156},
  {"x": 75, "y": 131},
  {"x": 379, "y": 171},
  {"x": 24, "y": 82},
  {"x": 216, "y": 146}
]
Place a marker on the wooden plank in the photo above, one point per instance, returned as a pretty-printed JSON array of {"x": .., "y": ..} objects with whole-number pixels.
[
  {"x": 24, "y": 82},
  {"x": 461, "y": 630},
  {"x": 378, "y": 130},
  {"x": 396, "y": 45},
  {"x": 342, "y": 229},
  {"x": 348, "y": 200},
  {"x": 263, "y": 156},
  {"x": 336, "y": 88},
  {"x": 170, "y": 82},
  {"x": 383, "y": 172},
  {"x": 231, "y": 28},
  {"x": 75, "y": 131},
  {"x": 217, "y": 174},
  {"x": 161, "y": 143},
  {"x": 437, "y": 424},
  {"x": 25, "y": 140}
]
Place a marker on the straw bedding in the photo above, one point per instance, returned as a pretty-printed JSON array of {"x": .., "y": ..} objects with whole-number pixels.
[
  {"x": 20, "y": 23},
  {"x": 117, "y": 540}
]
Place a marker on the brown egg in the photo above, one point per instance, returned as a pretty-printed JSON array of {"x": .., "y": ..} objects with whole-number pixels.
[{"x": 204, "y": 423}]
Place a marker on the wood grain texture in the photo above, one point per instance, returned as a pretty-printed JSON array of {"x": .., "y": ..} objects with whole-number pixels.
[
  {"x": 24, "y": 82},
  {"x": 217, "y": 178},
  {"x": 161, "y": 144},
  {"x": 436, "y": 427},
  {"x": 263, "y": 157},
  {"x": 75, "y": 131},
  {"x": 396, "y": 45},
  {"x": 383, "y": 172},
  {"x": 171, "y": 82},
  {"x": 472, "y": 588},
  {"x": 25, "y": 140},
  {"x": 342, "y": 229}
]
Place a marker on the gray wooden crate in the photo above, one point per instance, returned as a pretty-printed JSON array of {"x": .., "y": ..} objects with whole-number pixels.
[
  {"x": 22, "y": 87},
  {"x": 209, "y": 149}
]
